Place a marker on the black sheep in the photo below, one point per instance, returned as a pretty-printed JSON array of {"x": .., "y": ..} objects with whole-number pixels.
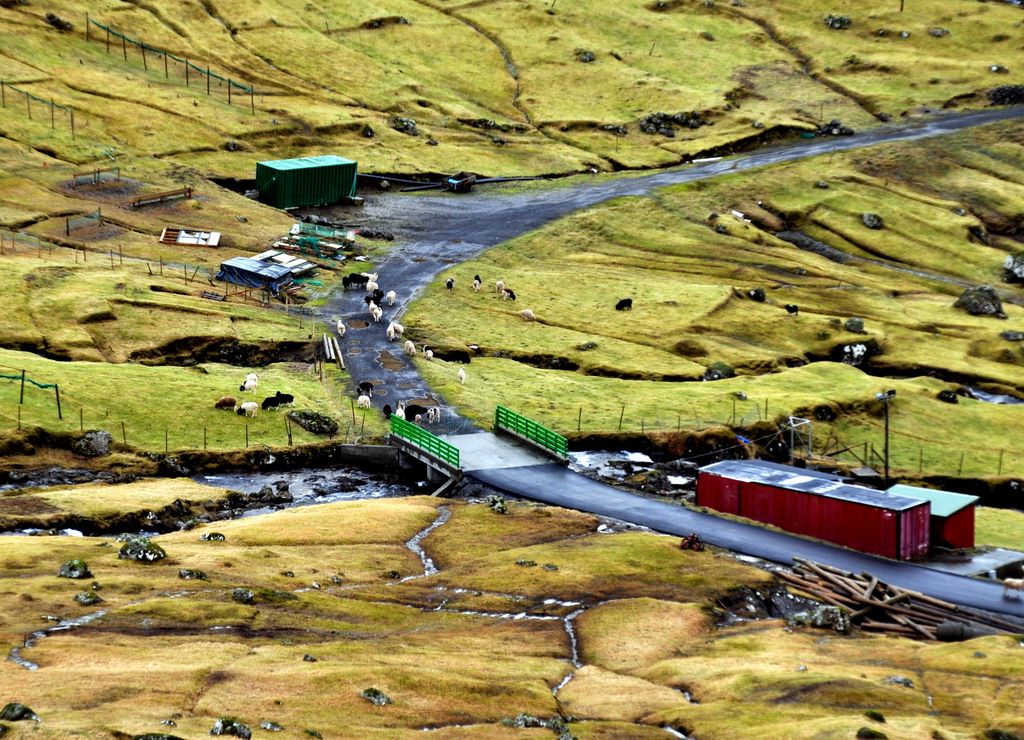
[
  {"x": 284, "y": 399},
  {"x": 413, "y": 410},
  {"x": 625, "y": 304},
  {"x": 510, "y": 294},
  {"x": 792, "y": 308},
  {"x": 450, "y": 283},
  {"x": 270, "y": 402},
  {"x": 386, "y": 411},
  {"x": 366, "y": 388}
]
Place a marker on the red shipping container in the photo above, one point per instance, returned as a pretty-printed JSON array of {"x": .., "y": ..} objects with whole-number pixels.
[{"x": 952, "y": 515}]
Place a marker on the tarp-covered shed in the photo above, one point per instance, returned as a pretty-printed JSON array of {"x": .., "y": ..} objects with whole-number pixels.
[
  {"x": 952, "y": 518},
  {"x": 252, "y": 273},
  {"x": 306, "y": 181}
]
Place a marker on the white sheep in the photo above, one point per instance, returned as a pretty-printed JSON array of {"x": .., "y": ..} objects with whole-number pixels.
[
  {"x": 399, "y": 412},
  {"x": 399, "y": 329},
  {"x": 363, "y": 401},
  {"x": 527, "y": 315},
  {"x": 419, "y": 418},
  {"x": 433, "y": 414},
  {"x": 249, "y": 385},
  {"x": 340, "y": 326},
  {"x": 1015, "y": 584},
  {"x": 476, "y": 285},
  {"x": 371, "y": 286},
  {"x": 390, "y": 331},
  {"x": 462, "y": 376},
  {"x": 499, "y": 286},
  {"x": 252, "y": 376},
  {"x": 391, "y": 296},
  {"x": 377, "y": 312},
  {"x": 249, "y": 408},
  {"x": 428, "y": 353},
  {"x": 410, "y": 348},
  {"x": 370, "y": 275}
]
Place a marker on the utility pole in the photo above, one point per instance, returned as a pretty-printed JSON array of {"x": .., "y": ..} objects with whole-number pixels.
[{"x": 885, "y": 397}]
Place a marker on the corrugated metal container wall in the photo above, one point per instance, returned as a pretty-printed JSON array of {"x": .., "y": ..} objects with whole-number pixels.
[
  {"x": 956, "y": 530},
  {"x": 915, "y": 531},
  {"x": 309, "y": 181},
  {"x": 718, "y": 493}
]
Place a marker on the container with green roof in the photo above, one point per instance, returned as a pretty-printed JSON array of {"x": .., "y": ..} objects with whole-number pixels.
[
  {"x": 952, "y": 517},
  {"x": 306, "y": 181}
]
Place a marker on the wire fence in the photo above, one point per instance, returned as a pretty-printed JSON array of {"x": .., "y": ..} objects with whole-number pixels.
[
  {"x": 82, "y": 221},
  {"x": 9, "y": 92},
  {"x": 184, "y": 68}
]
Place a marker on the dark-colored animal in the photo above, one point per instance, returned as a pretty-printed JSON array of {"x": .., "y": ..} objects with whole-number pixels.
[
  {"x": 792, "y": 308},
  {"x": 386, "y": 411},
  {"x": 366, "y": 388},
  {"x": 450, "y": 283},
  {"x": 413, "y": 410},
  {"x": 625, "y": 304},
  {"x": 226, "y": 402},
  {"x": 477, "y": 278},
  {"x": 270, "y": 402},
  {"x": 376, "y": 297},
  {"x": 284, "y": 399},
  {"x": 509, "y": 294},
  {"x": 354, "y": 279}
]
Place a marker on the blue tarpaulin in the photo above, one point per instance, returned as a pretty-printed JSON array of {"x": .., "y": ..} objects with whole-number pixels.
[{"x": 254, "y": 274}]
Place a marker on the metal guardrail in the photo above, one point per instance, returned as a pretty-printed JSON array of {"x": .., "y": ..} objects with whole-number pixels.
[
  {"x": 530, "y": 430},
  {"x": 425, "y": 440}
]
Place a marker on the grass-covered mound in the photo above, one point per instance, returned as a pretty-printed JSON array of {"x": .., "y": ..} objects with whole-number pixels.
[
  {"x": 301, "y": 617},
  {"x": 694, "y": 257}
]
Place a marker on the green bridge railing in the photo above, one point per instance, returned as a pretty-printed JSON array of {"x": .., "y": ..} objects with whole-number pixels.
[
  {"x": 531, "y": 430},
  {"x": 425, "y": 440}
]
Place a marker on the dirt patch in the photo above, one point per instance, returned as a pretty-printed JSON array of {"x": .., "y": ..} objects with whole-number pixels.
[
  {"x": 358, "y": 323},
  {"x": 195, "y": 350},
  {"x": 26, "y": 506},
  {"x": 389, "y": 362}
]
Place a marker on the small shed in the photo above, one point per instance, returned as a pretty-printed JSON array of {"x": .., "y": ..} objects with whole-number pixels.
[
  {"x": 952, "y": 518},
  {"x": 306, "y": 181},
  {"x": 252, "y": 273},
  {"x": 817, "y": 504}
]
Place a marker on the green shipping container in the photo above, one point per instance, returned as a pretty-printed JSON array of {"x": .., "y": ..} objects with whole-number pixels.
[{"x": 307, "y": 181}]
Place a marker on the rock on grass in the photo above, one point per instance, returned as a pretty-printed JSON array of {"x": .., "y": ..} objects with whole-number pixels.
[
  {"x": 230, "y": 726},
  {"x": 74, "y": 569},
  {"x": 16, "y": 712},
  {"x": 141, "y": 549},
  {"x": 375, "y": 697}
]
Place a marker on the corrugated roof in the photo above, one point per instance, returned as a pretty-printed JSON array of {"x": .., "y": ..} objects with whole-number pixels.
[
  {"x": 944, "y": 503},
  {"x": 300, "y": 163},
  {"x": 808, "y": 481},
  {"x": 264, "y": 269}
]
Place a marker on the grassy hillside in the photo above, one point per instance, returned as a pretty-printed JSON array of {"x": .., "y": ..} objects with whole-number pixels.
[
  {"x": 340, "y": 605},
  {"x": 950, "y": 210}
]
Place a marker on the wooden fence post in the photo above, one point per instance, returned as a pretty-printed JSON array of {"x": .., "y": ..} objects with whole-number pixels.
[
  {"x": 621, "y": 414},
  {"x": 124, "y": 47},
  {"x": 22, "y": 399},
  {"x": 81, "y": 419},
  {"x": 124, "y": 434},
  {"x": 1000, "y": 469},
  {"x": 56, "y": 390}
]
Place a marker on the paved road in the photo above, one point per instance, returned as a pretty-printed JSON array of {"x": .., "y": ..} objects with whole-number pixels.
[
  {"x": 438, "y": 231},
  {"x": 557, "y": 485}
]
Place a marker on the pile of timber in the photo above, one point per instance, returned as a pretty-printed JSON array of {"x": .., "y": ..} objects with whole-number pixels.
[{"x": 880, "y": 607}]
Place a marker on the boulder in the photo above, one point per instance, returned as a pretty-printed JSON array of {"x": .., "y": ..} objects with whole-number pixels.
[
  {"x": 948, "y": 396},
  {"x": 854, "y": 325},
  {"x": 838, "y": 22},
  {"x": 94, "y": 443},
  {"x": 756, "y": 294},
  {"x": 375, "y": 697},
  {"x": 190, "y": 574},
  {"x": 212, "y": 537},
  {"x": 243, "y": 596},
  {"x": 405, "y": 125},
  {"x": 74, "y": 569},
  {"x": 496, "y": 504},
  {"x": 172, "y": 467},
  {"x": 825, "y": 617},
  {"x": 718, "y": 371},
  {"x": 586, "y": 56},
  {"x": 938, "y": 32},
  {"x": 856, "y": 353},
  {"x": 230, "y": 726},
  {"x": 88, "y": 598},
  {"x": 314, "y": 422},
  {"x": 872, "y": 220},
  {"x": 981, "y": 301},
  {"x": 17, "y": 712},
  {"x": 270, "y": 726},
  {"x": 899, "y": 681},
  {"x": 1006, "y": 95},
  {"x": 142, "y": 550},
  {"x": 1013, "y": 266},
  {"x": 1012, "y": 336},
  {"x": 867, "y": 733}
]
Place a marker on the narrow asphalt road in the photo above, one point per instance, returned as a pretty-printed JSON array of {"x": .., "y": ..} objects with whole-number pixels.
[
  {"x": 556, "y": 485},
  {"x": 438, "y": 231}
]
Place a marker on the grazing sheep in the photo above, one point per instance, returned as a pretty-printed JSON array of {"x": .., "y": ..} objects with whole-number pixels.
[
  {"x": 365, "y": 388},
  {"x": 390, "y": 332},
  {"x": 508, "y": 295},
  {"x": 252, "y": 376},
  {"x": 371, "y": 276},
  {"x": 354, "y": 280},
  {"x": 418, "y": 418},
  {"x": 499, "y": 286},
  {"x": 340, "y": 326},
  {"x": 377, "y": 313},
  {"x": 450, "y": 284},
  {"x": 412, "y": 410},
  {"x": 270, "y": 402},
  {"x": 371, "y": 286},
  {"x": 391, "y": 296},
  {"x": 249, "y": 385},
  {"x": 376, "y": 297},
  {"x": 410, "y": 348},
  {"x": 386, "y": 411},
  {"x": 249, "y": 408},
  {"x": 462, "y": 376},
  {"x": 527, "y": 315},
  {"x": 363, "y": 402},
  {"x": 428, "y": 353},
  {"x": 476, "y": 283},
  {"x": 285, "y": 399},
  {"x": 399, "y": 412},
  {"x": 624, "y": 304},
  {"x": 792, "y": 308},
  {"x": 225, "y": 402},
  {"x": 399, "y": 329},
  {"x": 1014, "y": 584}
]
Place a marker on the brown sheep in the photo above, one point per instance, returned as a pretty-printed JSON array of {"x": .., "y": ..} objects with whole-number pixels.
[{"x": 226, "y": 402}]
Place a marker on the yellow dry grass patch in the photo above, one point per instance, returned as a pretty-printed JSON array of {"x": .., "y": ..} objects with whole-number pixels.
[
  {"x": 602, "y": 694},
  {"x": 631, "y": 634},
  {"x": 998, "y": 527}
]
